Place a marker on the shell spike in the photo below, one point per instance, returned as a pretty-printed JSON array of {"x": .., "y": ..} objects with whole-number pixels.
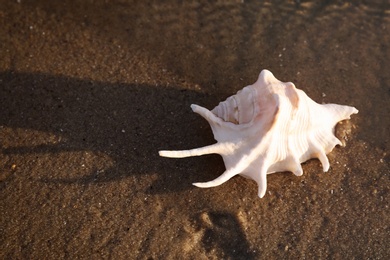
[
  {"x": 341, "y": 112},
  {"x": 240, "y": 166},
  {"x": 227, "y": 175},
  {"x": 218, "y": 148},
  {"x": 266, "y": 78},
  {"x": 295, "y": 165},
  {"x": 262, "y": 183},
  {"x": 336, "y": 141},
  {"x": 324, "y": 161},
  {"x": 319, "y": 152},
  {"x": 205, "y": 113}
]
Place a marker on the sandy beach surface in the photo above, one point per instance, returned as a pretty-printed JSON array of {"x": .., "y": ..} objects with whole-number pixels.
[{"x": 90, "y": 91}]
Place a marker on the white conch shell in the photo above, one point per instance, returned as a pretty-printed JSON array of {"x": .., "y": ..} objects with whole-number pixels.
[{"x": 268, "y": 127}]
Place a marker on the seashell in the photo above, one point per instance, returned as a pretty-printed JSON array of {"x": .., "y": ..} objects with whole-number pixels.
[{"x": 268, "y": 127}]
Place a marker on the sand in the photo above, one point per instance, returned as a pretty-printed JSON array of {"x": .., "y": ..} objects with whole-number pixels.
[{"x": 89, "y": 92}]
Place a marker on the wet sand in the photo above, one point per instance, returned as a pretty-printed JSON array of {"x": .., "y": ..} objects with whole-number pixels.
[{"x": 89, "y": 92}]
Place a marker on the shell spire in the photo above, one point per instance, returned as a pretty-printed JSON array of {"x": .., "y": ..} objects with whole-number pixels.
[{"x": 269, "y": 126}]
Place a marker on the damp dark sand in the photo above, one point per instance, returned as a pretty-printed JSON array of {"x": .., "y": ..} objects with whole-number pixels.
[{"x": 89, "y": 92}]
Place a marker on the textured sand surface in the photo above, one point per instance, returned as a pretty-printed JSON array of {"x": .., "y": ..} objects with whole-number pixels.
[{"x": 89, "y": 92}]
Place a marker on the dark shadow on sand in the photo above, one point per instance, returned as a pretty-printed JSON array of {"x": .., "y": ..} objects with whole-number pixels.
[
  {"x": 127, "y": 122},
  {"x": 224, "y": 234}
]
